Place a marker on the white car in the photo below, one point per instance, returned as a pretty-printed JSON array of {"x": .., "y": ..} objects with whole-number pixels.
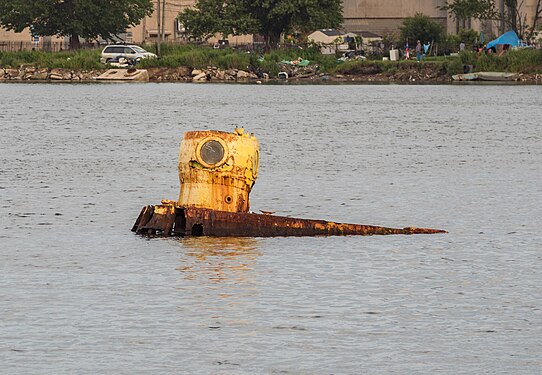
[{"x": 128, "y": 51}]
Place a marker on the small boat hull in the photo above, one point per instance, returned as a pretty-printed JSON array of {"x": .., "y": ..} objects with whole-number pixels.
[
  {"x": 497, "y": 76},
  {"x": 133, "y": 75},
  {"x": 486, "y": 76}
]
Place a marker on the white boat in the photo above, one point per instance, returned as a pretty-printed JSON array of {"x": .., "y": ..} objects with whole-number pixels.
[
  {"x": 497, "y": 76},
  {"x": 486, "y": 76}
]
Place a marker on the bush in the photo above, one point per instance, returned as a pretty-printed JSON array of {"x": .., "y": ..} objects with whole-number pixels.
[
  {"x": 524, "y": 60},
  {"x": 173, "y": 56},
  {"x": 454, "y": 66},
  {"x": 360, "y": 67},
  {"x": 82, "y": 59}
]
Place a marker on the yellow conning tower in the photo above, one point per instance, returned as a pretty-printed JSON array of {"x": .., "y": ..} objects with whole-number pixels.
[{"x": 218, "y": 169}]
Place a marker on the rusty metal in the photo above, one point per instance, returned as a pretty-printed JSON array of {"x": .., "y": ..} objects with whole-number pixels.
[
  {"x": 171, "y": 220},
  {"x": 217, "y": 171}
]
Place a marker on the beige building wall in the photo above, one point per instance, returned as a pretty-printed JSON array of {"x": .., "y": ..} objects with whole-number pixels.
[
  {"x": 385, "y": 17},
  {"x": 377, "y": 16},
  {"x": 147, "y": 30},
  {"x": 10, "y": 36},
  {"x": 12, "y": 41}
]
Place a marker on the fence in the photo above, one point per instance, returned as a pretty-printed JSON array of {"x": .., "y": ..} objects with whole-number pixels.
[{"x": 11, "y": 46}]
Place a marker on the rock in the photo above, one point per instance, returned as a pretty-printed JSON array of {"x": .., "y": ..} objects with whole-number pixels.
[
  {"x": 241, "y": 74},
  {"x": 183, "y": 71},
  {"x": 200, "y": 77},
  {"x": 11, "y": 73},
  {"x": 39, "y": 76},
  {"x": 196, "y": 72},
  {"x": 56, "y": 76},
  {"x": 221, "y": 75}
]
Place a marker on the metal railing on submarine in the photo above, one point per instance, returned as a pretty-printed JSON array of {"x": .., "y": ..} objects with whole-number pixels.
[{"x": 217, "y": 171}]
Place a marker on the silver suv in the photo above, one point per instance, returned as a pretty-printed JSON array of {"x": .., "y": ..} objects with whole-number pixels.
[{"x": 129, "y": 51}]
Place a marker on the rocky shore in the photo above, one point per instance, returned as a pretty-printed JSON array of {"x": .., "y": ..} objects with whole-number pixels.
[{"x": 411, "y": 73}]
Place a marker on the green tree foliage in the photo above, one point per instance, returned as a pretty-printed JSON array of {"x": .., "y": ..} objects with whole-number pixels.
[
  {"x": 465, "y": 9},
  {"x": 421, "y": 27},
  {"x": 269, "y": 18},
  {"x": 74, "y": 18}
]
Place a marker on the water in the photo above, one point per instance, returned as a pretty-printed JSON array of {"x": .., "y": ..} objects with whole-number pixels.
[{"x": 82, "y": 294}]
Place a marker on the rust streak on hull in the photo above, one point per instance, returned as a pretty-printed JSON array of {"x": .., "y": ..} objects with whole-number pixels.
[{"x": 170, "y": 220}]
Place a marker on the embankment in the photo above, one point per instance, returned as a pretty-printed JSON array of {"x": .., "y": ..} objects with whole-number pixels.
[{"x": 359, "y": 73}]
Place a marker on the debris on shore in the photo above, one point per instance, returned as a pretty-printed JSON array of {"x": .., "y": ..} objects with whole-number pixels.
[{"x": 366, "y": 73}]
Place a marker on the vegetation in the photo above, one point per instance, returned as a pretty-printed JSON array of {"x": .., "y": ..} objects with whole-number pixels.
[
  {"x": 522, "y": 60},
  {"x": 81, "y": 59},
  {"x": 202, "y": 57},
  {"x": 462, "y": 10},
  {"x": 269, "y": 18},
  {"x": 512, "y": 15},
  {"x": 421, "y": 27},
  {"x": 73, "y": 18}
]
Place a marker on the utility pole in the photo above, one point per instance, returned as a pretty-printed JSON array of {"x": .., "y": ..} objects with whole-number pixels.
[
  {"x": 501, "y": 11},
  {"x": 163, "y": 18},
  {"x": 158, "y": 17}
]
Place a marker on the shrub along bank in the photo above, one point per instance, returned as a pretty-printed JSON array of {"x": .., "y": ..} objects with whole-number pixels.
[{"x": 323, "y": 67}]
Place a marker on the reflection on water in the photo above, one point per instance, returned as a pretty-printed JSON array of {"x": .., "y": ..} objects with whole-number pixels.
[{"x": 219, "y": 259}]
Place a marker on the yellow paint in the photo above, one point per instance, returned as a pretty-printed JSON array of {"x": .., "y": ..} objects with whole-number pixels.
[{"x": 223, "y": 182}]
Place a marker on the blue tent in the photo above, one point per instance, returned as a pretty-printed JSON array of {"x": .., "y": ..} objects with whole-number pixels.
[{"x": 509, "y": 37}]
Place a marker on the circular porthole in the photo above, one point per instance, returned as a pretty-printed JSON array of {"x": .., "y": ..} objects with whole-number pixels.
[{"x": 212, "y": 152}]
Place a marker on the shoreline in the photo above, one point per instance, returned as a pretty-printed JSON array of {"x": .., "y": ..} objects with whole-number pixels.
[{"x": 421, "y": 74}]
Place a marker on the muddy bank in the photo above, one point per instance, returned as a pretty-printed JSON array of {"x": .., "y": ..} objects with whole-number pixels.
[{"x": 366, "y": 73}]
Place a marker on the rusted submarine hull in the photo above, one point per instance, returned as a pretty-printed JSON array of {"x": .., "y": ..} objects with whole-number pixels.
[{"x": 171, "y": 220}]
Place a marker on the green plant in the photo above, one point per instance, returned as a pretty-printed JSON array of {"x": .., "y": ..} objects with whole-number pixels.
[{"x": 454, "y": 66}]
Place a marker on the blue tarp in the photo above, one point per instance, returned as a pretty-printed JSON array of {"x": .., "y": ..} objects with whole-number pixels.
[{"x": 509, "y": 37}]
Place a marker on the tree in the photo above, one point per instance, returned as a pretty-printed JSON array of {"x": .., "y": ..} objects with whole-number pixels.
[
  {"x": 74, "y": 18},
  {"x": 509, "y": 13},
  {"x": 269, "y": 18},
  {"x": 516, "y": 19},
  {"x": 421, "y": 27},
  {"x": 466, "y": 9},
  {"x": 536, "y": 18}
]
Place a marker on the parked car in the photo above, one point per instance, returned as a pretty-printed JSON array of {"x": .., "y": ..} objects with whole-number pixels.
[{"x": 128, "y": 51}]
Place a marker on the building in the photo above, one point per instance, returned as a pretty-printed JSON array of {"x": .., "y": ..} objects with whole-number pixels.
[
  {"x": 172, "y": 30},
  {"x": 332, "y": 40},
  {"x": 329, "y": 40},
  {"x": 375, "y": 16},
  {"x": 12, "y": 41},
  {"x": 386, "y": 17}
]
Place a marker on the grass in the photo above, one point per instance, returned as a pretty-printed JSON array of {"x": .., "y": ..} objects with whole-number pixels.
[
  {"x": 192, "y": 56},
  {"x": 81, "y": 60},
  {"x": 370, "y": 67},
  {"x": 525, "y": 60}
]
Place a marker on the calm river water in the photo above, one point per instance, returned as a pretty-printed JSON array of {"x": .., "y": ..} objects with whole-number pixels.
[{"x": 81, "y": 294}]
